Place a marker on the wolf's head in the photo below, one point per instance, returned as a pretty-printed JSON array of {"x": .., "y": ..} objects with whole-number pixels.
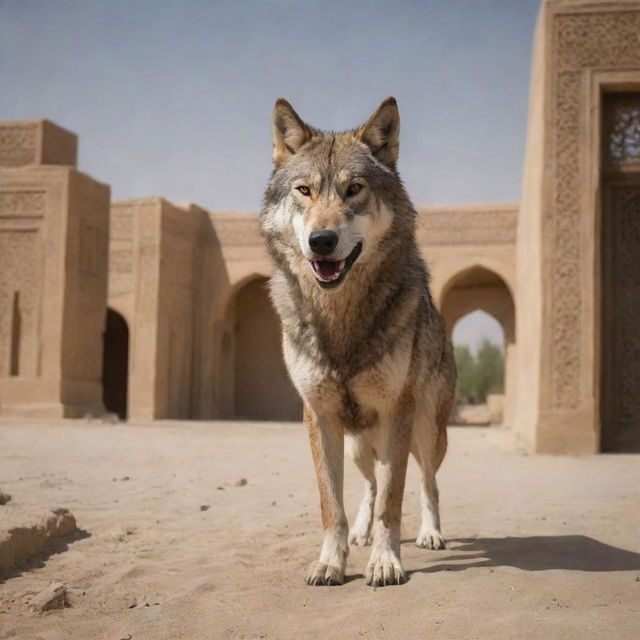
[{"x": 335, "y": 202}]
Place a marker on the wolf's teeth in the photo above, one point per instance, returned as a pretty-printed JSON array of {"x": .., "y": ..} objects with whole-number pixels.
[{"x": 341, "y": 265}]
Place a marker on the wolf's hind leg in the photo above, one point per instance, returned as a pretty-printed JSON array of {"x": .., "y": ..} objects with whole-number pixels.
[
  {"x": 362, "y": 454},
  {"x": 422, "y": 447},
  {"x": 430, "y": 536}
]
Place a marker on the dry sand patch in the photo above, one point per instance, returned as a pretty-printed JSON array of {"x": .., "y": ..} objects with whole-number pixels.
[{"x": 540, "y": 547}]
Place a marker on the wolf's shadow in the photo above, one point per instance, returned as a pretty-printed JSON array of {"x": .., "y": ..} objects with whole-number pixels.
[{"x": 534, "y": 553}]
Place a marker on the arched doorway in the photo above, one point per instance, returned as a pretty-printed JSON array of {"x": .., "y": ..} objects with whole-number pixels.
[
  {"x": 262, "y": 389},
  {"x": 115, "y": 364},
  {"x": 480, "y": 289}
]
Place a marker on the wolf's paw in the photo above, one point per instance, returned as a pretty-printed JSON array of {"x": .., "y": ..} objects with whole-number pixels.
[
  {"x": 320, "y": 574},
  {"x": 359, "y": 538},
  {"x": 385, "y": 568},
  {"x": 430, "y": 540}
]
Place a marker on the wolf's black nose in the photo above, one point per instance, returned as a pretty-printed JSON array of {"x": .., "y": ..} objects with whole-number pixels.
[{"x": 323, "y": 242}]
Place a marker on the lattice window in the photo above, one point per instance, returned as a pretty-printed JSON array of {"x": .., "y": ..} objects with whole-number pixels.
[{"x": 621, "y": 143}]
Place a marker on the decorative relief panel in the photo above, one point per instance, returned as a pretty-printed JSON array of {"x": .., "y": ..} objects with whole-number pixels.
[
  {"x": 120, "y": 261},
  {"x": 18, "y": 144},
  {"x": 21, "y": 275},
  {"x": 121, "y": 223},
  {"x": 92, "y": 240},
  {"x": 147, "y": 252},
  {"x": 91, "y": 249},
  {"x": 147, "y": 280},
  {"x": 467, "y": 227},
  {"x": 21, "y": 272},
  {"x": 598, "y": 40},
  {"x": 582, "y": 42},
  {"x": 20, "y": 209},
  {"x": 121, "y": 249}
]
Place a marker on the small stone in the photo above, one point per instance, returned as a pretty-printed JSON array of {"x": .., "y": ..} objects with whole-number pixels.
[
  {"x": 53, "y": 597},
  {"x": 204, "y": 507},
  {"x": 4, "y": 498},
  {"x": 240, "y": 483},
  {"x": 220, "y": 487},
  {"x": 125, "y": 478},
  {"x": 125, "y": 532}
]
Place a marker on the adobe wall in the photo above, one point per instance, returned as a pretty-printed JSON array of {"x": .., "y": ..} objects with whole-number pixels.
[
  {"x": 182, "y": 277},
  {"x": 53, "y": 275},
  {"x": 582, "y": 49},
  {"x": 189, "y": 285},
  {"x": 459, "y": 242},
  {"x": 162, "y": 283},
  {"x": 262, "y": 388},
  {"x": 455, "y": 238},
  {"x": 244, "y": 257},
  {"x": 452, "y": 239}
]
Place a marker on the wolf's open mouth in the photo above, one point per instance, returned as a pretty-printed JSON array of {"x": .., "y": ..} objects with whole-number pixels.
[{"x": 329, "y": 273}]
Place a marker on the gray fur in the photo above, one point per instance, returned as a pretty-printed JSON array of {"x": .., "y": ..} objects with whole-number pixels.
[{"x": 384, "y": 301}]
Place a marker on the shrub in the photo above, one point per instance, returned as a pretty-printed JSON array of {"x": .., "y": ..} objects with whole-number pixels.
[{"x": 479, "y": 375}]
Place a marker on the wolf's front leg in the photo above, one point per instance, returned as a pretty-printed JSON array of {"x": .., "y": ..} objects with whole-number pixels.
[
  {"x": 327, "y": 441},
  {"x": 384, "y": 566}
]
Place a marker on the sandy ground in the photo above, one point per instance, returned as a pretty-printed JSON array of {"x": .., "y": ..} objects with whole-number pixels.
[{"x": 539, "y": 547}]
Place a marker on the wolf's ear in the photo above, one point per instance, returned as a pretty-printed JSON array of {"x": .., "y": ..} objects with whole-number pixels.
[
  {"x": 289, "y": 132},
  {"x": 381, "y": 133}
]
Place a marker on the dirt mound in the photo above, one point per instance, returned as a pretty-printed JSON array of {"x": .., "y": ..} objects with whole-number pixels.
[{"x": 25, "y": 532}]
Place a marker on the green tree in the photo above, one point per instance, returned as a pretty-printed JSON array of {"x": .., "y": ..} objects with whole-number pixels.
[
  {"x": 489, "y": 368},
  {"x": 465, "y": 363},
  {"x": 479, "y": 375}
]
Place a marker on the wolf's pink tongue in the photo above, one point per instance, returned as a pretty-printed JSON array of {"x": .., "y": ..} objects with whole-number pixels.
[{"x": 326, "y": 269}]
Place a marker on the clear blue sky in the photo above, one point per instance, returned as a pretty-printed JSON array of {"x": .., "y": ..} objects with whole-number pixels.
[{"x": 174, "y": 98}]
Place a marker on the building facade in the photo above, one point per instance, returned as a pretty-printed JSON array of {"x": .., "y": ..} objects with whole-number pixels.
[{"x": 155, "y": 310}]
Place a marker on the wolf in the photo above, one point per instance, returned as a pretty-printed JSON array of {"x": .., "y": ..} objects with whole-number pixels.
[{"x": 363, "y": 341}]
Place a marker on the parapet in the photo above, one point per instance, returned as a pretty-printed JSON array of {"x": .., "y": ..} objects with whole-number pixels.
[{"x": 36, "y": 142}]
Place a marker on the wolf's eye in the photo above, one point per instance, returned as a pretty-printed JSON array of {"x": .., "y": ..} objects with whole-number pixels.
[
  {"x": 305, "y": 191},
  {"x": 354, "y": 188}
]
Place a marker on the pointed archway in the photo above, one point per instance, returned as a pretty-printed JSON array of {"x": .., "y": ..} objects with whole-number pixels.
[
  {"x": 259, "y": 385},
  {"x": 479, "y": 288}
]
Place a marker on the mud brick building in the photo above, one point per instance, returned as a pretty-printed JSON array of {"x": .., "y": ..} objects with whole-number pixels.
[
  {"x": 54, "y": 234},
  {"x": 155, "y": 310}
]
